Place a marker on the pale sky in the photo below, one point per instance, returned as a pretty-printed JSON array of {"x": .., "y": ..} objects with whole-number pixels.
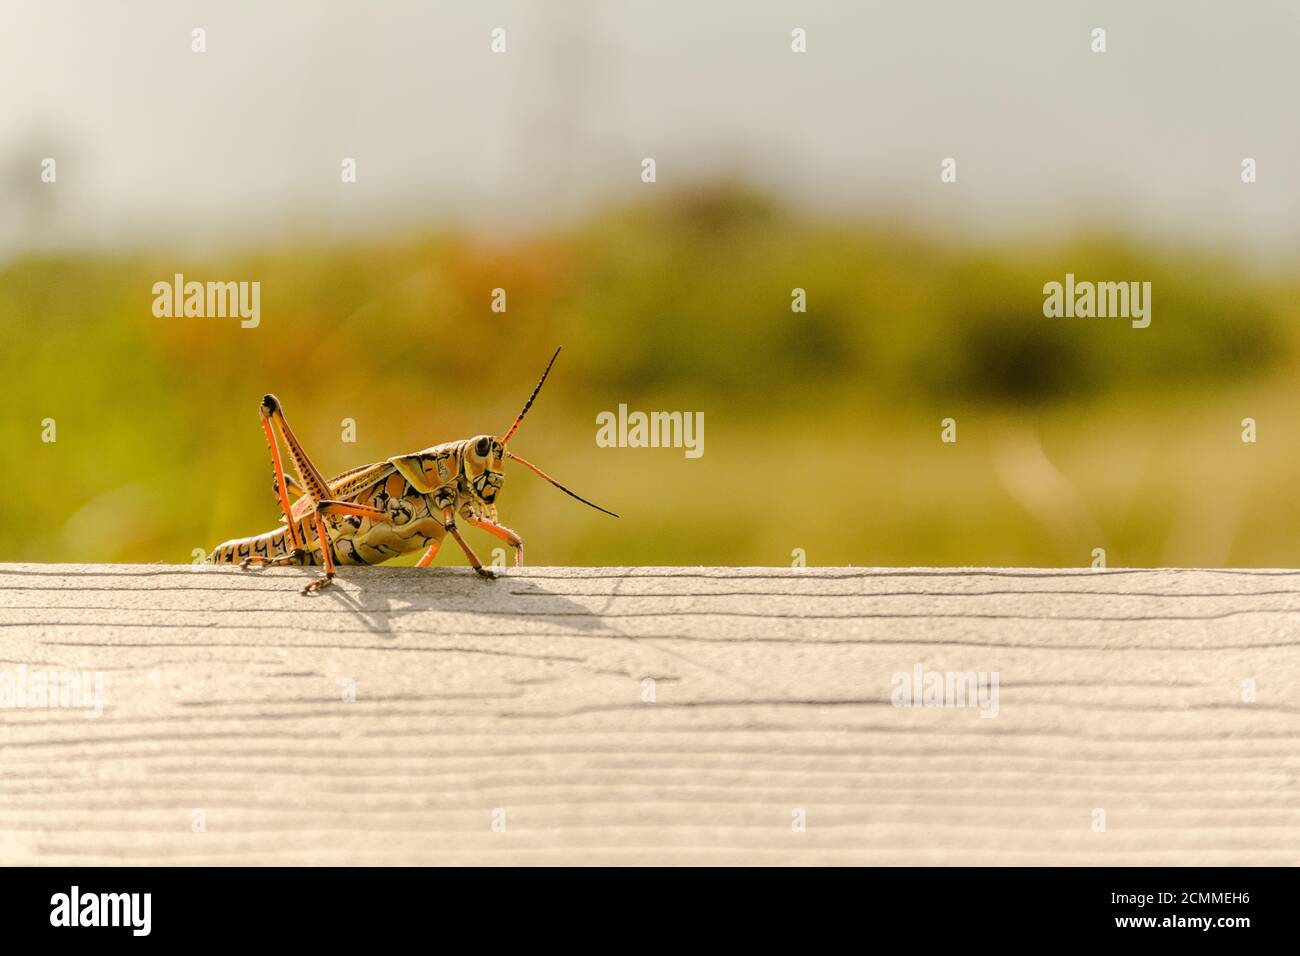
[{"x": 156, "y": 144}]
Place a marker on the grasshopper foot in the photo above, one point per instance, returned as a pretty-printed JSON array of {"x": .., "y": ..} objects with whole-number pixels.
[
  {"x": 486, "y": 573},
  {"x": 293, "y": 557},
  {"x": 319, "y": 584}
]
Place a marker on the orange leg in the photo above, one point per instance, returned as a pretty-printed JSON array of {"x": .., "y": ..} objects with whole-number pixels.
[
  {"x": 505, "y": 534},
  {"x": 313, "y": 484},
  {"x": 257, "y": 561},
  {"x": 281, "y": 485},
  {"x": 427, "y": 558},
  {"x": 312, "y": 480},
  {"x": 328, "y": 557},
  {"x": 449, "y": 522},
  {"x": 329, "y": 507}
]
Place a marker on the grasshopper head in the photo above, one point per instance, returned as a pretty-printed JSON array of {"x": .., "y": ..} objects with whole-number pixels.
[{"x": 482, "y": 459}]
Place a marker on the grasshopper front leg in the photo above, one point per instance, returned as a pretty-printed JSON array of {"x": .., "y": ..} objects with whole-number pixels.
[{"x": 505, "y": 534}]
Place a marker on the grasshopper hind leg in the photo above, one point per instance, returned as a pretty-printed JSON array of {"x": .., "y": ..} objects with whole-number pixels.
[
  {"x": 328, "y": 556},
  {"x": 311, "y": 485}
]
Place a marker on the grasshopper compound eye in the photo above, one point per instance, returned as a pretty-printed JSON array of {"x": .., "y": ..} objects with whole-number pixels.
[{"x": 483, "y": 446}]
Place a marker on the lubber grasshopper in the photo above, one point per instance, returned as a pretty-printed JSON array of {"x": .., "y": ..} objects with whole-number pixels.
[{"x": 378, "y": 511}]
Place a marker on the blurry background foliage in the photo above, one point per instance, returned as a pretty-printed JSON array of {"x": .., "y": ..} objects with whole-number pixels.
[{"x": 821, "y": 429}]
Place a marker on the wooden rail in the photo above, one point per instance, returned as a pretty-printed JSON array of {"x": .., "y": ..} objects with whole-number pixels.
[{"x": 650, "y": 715}]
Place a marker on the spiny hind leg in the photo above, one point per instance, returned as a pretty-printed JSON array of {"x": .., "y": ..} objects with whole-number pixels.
[
  {"x": 312, "y": 483},
  {"x": 292, "y": 484},
  {"x": 505, "y": 534},
  {"x": 328, "y": 557},
  {"x": 275, "y": 424},
  {"x": 277, "y": 465}
]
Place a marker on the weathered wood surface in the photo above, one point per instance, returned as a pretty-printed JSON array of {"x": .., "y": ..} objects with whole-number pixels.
[{"x": 1119, "y": 690}]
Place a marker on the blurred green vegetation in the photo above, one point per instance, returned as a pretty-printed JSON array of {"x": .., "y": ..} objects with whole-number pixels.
[{"x": 822, "y": 428}]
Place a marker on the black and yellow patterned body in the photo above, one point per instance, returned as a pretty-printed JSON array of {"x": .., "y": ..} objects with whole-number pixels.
[
  {"x": 379, "y": 511},
  {"x": 414, "y": 491}
]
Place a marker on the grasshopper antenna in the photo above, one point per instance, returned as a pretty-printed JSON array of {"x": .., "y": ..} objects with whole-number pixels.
[
  {"x": 529, "y": 404},
  {"x": 534, "y": 468}
]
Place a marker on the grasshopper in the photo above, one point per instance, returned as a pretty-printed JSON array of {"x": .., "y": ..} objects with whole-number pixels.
[{"x": 378, "y": 511}]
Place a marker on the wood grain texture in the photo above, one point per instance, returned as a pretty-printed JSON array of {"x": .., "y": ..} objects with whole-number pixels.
[{"x": 1119, "y": 690}]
